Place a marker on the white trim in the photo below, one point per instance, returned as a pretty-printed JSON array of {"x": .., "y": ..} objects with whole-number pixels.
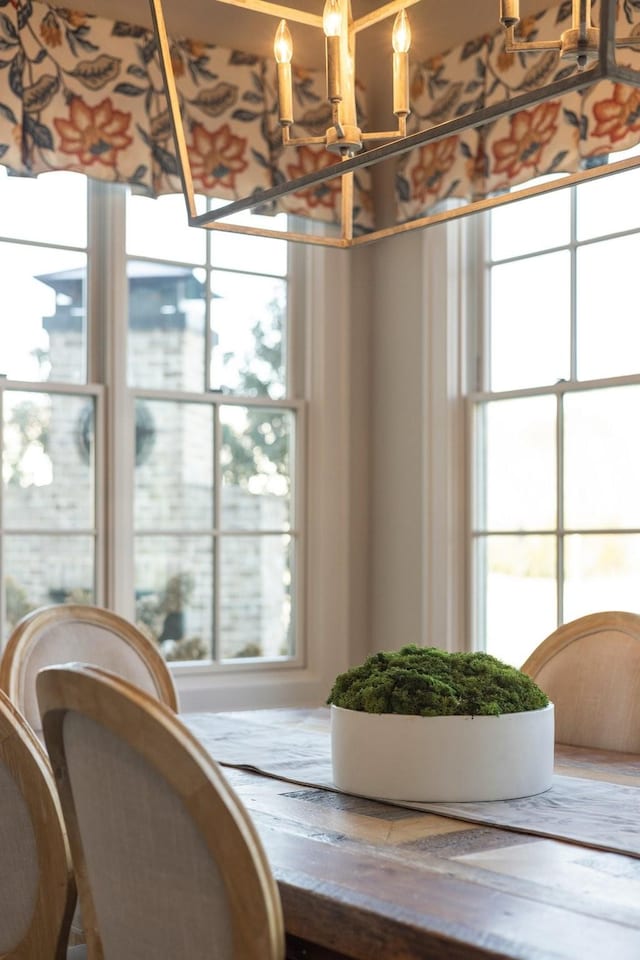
[
  {"x": 108, "y": 308},
  {"x": 445, "y": 615}
]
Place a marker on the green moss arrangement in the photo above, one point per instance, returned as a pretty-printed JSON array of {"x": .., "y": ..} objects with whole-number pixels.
[{"x": 427, "y": 682}]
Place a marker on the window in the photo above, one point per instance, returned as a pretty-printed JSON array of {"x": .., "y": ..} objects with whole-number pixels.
[
  {"x": 149, "y": 463},
  {"x": 556, "y": 521},
  {"x": 50, "y": 485}
]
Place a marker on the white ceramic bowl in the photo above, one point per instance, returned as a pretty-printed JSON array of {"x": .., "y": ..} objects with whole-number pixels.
[{"x": 438, "y": 759}]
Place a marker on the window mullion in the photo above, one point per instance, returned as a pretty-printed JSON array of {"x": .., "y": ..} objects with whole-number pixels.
[
  {"x": 3, "y": 572},
  {"x": 108, "y": 309},
  {"x": 574, "y": 287},
  {"x": 560, "y": 507},
  {"x": 217, "y": 493}
]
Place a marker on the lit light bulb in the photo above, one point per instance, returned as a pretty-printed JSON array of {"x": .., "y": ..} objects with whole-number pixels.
[
  {"x": 401, "y": 40},
  {"x": 283, "y": 51},
  {"x": 401, "y": 35},
  {"x": 332, "y": 18},
  {"x": 282, "y": 45}
]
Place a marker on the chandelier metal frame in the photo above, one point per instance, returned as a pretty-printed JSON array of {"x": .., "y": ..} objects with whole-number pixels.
[{"x": 602, "y": 66}]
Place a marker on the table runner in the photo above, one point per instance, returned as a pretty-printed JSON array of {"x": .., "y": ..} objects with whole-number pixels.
[{"x": 296, "y": 747}]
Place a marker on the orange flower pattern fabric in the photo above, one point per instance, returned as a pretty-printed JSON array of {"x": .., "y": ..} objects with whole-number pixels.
[
  {"x": 93, "y": 134},
  {"x": 321, "y": 195},
  {"x": 530, "y": 132},
  {"x": 619, "y": 114},
  {"x": 216, "y": 157}
]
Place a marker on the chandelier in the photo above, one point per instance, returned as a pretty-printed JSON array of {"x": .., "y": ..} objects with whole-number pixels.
[{"x": 592, "y": 48}]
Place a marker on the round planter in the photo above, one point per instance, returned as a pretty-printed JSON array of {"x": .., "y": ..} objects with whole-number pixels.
[{"x": 438, "y": 759}]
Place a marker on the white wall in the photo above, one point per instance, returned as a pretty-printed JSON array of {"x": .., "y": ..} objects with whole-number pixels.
[
  {"x": 418, "y": 511},
  {"x": 397, "y": 488}
]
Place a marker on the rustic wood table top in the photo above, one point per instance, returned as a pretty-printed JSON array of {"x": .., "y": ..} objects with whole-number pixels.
[{"x": 371, "y": 881}]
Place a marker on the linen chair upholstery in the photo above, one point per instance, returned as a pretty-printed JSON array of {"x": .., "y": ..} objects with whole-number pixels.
[
  {"x": 75, "y": 632},
  {"x": 37, "y": 892},
  {"x": 590, "y": 669},
  {"x": 167, "y": 861}
]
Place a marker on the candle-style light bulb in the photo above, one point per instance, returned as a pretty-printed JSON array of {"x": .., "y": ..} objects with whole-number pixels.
[
  {"x": 332, "y": 18},
  {"x": 283, "y": 51},
  {"x": 401, "y": 41},
  {"x": 332, "y": 26},
  {"x": 282, "y": 45},
  {"x": 401, "y": 35}
]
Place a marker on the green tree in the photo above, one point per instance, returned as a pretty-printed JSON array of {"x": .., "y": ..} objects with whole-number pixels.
[
  {"x": 26, "y": 428},
  {"x": 262, "y": 447}
]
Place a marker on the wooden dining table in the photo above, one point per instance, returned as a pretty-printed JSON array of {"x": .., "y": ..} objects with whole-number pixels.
[{"x": 369, "y": 880}]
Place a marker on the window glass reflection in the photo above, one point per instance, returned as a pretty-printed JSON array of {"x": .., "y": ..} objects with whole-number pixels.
[
  {"x": 248, "y": 316},
  {"x": 43, "y": 328}
]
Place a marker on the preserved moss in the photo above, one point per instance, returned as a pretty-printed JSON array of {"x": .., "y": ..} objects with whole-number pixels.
[{"x": 428, "y": 682}]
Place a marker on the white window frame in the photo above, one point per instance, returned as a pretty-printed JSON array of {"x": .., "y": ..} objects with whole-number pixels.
[{"x": 479, "y": 354}]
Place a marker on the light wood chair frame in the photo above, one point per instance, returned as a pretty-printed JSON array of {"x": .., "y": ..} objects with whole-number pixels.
[
  {"x": 20, "y": 751},
  {"x": 26, "y": 634},
  {"x": 158, "y": 736},
  {"x": 618, "y": 620},
  {"x": 609, "y": 621}
]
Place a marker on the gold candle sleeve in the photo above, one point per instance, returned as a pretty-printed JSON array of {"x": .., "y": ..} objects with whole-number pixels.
[
  {"x": 509, "y": 12},
  {"x": 285, "y": 98},
  {"x": 401, "y": 84},
  {"x": 334, "y": 92}
]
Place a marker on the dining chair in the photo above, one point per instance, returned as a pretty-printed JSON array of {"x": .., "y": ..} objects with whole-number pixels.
[
  {"x": 168, "y": 863},
  {"x": 78, "y": 632},
  {"x": 37, "y": 891},
  {"x": 590, "y": 669}
]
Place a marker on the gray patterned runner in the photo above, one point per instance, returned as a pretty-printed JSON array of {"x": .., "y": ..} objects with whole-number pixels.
[{"x": 594, "y": 813}]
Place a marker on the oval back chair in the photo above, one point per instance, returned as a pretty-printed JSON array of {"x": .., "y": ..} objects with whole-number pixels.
[
  {"x": 37, "y": 892},
  {"x": 78, "y": 632},
  {"x": 590, "y": 669},
  {"x": 167, "y": 860}
]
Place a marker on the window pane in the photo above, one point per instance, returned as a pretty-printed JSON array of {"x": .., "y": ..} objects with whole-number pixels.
[
  {"x": 608, "y": 329},
  {"x": 51, "y": 208},
  {"x": 530, "y": 328},
  {"x": 166, "y": 344},
  {"x": 48, "y": 461},
  {"x": 256, "y": 468},
  {"x": 520, "y": 459},
  {"x": 602, "y": 460},
  {"x": 174, "y": 588},
  {"x": 603, "y": 205},
  {"x": 547, "y": 225},
  {"x": 234, "y": 251},
  {"x": 46, "y": 569},
  {"x": 255, "y": 596},
  {"x": 248, "y": 316},
  {"x": 159, "y": 228},
  {"x": 174, "y": 466},
  {"x": 42, "y": 319},
  {"x": 601, "y": 573},
  {"x": 517, "y": 574}
]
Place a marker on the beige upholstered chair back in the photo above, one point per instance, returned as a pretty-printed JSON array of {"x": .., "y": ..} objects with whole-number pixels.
[
  {"x": 37, "y": 894},
  {"x": 74, "y": 632},
  {"x": 168, "y": 863},
  {"x": 590, "y": 669}
]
